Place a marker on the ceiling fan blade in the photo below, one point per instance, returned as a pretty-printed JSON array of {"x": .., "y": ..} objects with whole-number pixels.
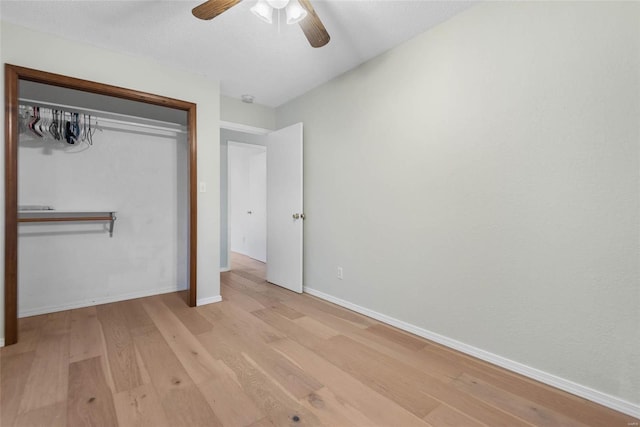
[
  {"x": 212, "y": 8},
  {"x": 312, "y": 26}
]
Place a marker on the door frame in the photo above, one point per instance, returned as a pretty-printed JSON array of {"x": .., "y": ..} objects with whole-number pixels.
[
  {"x": 236, "y": 127},
  {"x": 13, "y": 74}
]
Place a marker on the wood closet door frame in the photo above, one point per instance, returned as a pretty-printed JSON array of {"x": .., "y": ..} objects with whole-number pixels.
[{"x": 13, "y": 74}]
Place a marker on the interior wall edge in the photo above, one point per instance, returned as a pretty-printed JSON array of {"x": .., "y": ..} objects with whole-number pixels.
[{"x": 574, "y": 388}]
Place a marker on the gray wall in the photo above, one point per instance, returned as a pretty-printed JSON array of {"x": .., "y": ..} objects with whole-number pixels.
[
  {"x": 481, "y": 182},
  {"x": 256, "y": 115}
]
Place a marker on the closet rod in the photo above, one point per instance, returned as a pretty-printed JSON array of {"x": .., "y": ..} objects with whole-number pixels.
[{"x": 151, "y": 123}]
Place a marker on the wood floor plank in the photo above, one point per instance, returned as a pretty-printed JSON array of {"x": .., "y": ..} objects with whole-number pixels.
[
  {"x": 315, "y": 327},
  {"x": 247, "y": 275},
  {"x": 445, "y": 370},
  {"x": 239, "y": 299},
  {"x": 85, "y": 335},
  {"x": 199, "y": 364},
  {"x": 54, "y": 415},
  {"x": 192, "y": 319},
  {"x": 336, "y": 311},
  {"x": 90, "y": 401},
  {"x": 376, "y": 407},
  {"x": 446, "y": 416},
  {"x": 279, "y": 407},
  {"x": 120, "y": 351},
  {"x": 243, "y": 262},
  {"x": 144, "y": 375},
  {"x": 334, "y": 411},
  {"x": 580, "y": 409},
  {"x": 292, "y": 380},
  {"x": 164, "y": 368},
  {"x": 262, "y": 422},
  {"x": 392, "y": 379},
  {"x": 334, "y": 319},
  {"x": 229, "y": 402},
  {"x": 250, "y": 289},
  {"x": 48, "y": 378},
  {"x": 405, "y": 339},
  {"x": 136, "y": 318},
  {"x": 509, "y": 402},
  {"x": 293, "y": 330},
  {"x": 179, "y": 396},
  {"x": 187, "y": 407},
  {"x": 14, "y": 372},
  {"x": 140, "y": 407},
  {"x": 284, "y": 374},
  {"x": 286, "y": 311},
  {"x": 247, "y": 325}
]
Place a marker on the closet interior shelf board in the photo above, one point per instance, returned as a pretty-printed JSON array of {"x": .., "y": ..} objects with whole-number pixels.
[{"x": 68, "y": 216}]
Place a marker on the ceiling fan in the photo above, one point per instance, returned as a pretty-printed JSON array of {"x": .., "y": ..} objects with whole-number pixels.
[{"x": 300, "y": 11}]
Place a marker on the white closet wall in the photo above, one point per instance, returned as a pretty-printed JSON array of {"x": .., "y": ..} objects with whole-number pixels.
[{"x": 140, "y": 173}]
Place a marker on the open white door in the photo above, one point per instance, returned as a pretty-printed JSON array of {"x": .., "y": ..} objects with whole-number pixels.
[{"x": 284, "y": 207}]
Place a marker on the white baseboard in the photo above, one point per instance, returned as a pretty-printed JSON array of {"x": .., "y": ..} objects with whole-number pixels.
[
  {"x": 97, "y": 301},
  {"x": 224, "y": 269},
  {"x": 1, "y": 342},
  {"x": 210, "y": 300},
  {"x": 536, "y": 374}
]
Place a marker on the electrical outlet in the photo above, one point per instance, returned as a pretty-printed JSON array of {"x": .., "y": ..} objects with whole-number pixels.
[{"x": 340, "y": 275}]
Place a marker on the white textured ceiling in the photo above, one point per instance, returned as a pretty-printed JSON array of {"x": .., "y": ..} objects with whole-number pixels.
[{"x": 275, "y": 63}]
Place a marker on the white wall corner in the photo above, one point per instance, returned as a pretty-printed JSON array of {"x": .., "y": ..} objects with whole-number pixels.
[
  {"x": 209, "y": 300},
  {"x": 585, "y": 392}
]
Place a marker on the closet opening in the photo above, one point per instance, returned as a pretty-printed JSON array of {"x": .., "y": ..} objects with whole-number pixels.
[{"x": 108, "y": 180}]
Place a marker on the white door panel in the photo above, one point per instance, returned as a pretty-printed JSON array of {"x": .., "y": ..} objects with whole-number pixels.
[{"x": 284, "y": 202}]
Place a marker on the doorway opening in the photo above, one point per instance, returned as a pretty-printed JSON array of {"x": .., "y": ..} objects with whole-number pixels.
[
  {"x": 261, "y": 201},
  {"x": 247, "y": 200}
]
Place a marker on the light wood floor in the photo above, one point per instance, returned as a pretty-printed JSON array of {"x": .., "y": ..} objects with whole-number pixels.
[{"x": 262, "y": 357}]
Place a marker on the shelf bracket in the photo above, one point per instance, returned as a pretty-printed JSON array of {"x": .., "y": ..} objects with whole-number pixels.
[{"x": 112, "y": 223}]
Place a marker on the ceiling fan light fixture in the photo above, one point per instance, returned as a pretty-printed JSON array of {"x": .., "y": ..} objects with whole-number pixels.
[
  {"x": 263, "y": 11},
  {"x": 295, "y": 12}
]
